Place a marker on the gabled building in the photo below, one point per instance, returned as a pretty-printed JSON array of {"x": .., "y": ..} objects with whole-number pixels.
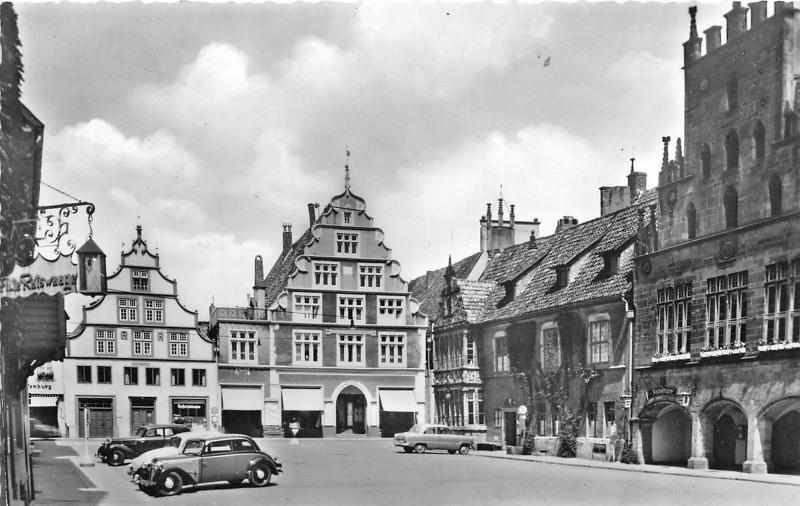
[
  {"x": 331, "y": 339},
  {"x": 718, "y": 286},
  {"x": 138, "y": 356},
  {"x": 560, "y": 297}
]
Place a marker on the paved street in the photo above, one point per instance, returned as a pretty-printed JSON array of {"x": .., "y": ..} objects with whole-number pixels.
[{"x": 333, "y": 472}]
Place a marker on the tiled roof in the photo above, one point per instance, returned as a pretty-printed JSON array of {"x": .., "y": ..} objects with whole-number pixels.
[
  {"x": 427, "y": 289},
  {"x": 275, "y": 282},
  {"x": 473, "y": 297}
]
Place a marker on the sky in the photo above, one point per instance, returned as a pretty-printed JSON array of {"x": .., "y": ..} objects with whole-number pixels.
[{"x": 211, "y": 125}]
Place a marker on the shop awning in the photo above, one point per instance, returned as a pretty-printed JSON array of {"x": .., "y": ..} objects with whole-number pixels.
[
  {"x": 43, "y": 401},
  {"x": 302, "y": 399},
  {"x": 398, "y": 400},
  {"x": 242, "y": 399}
]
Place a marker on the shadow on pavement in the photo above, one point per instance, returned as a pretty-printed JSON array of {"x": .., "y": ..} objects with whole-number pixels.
[{"x": 57, "y": 480}]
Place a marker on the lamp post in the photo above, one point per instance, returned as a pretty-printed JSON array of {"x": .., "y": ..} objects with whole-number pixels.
[{"x": 87, "y": 460}]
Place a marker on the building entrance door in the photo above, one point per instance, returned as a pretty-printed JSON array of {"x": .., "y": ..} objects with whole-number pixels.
[
  {"x": 143, "y": 412},
  {"x": 510, "y": 428},
  {"x": 351, "y": 410},
  {"x": 101, "y": 417}
]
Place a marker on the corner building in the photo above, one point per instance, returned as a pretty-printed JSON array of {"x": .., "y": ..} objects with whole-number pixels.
[
  {"x": 331, "y": 339},
  {"x": 717, "y": 289}
]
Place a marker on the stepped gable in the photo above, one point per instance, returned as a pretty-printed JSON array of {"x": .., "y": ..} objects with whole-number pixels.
[
  {"x": 427, "y": 289},
  {"x": 284, "y": 266}
]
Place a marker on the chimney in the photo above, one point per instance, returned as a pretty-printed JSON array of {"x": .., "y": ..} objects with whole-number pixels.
[
  {"x": 500, "y": 212},
  {"x": 287, "y": 237},
  {"x": 259, "y": 270},
  {"x": 511, "y": 216},
  {"x": 637, "y": 183},
  {"x": 737, "y": 21},
  {"x": 713, "y": 38},
  {"x": 488, "y": 215},
  {"x": 312, "y": 214},
  {"x": 758, "y": 13},
  {"x": 532, "y": 241},
  {"x": 780, "y": 6},
  {"x": 565, "y": 223},
  {"x": 692, "y": 48}
]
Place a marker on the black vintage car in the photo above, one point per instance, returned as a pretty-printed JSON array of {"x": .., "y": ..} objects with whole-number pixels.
[
  {"x": 227, "y": 457},
  {"x": 115, "y": 451}
]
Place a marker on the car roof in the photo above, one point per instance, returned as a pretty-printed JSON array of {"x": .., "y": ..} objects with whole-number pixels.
[
  {"x": 218, "y": 437},
  {"x": 197, "y": 434},
  {"x": 164, "y": 426}
]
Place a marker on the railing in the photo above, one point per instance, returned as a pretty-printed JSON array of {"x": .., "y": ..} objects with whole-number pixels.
[{"x": 237, "y": 313}]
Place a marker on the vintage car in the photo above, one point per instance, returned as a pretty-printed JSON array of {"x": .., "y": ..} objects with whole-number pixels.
[
  {"x": 175, "y": 446},
  {"x": 428, "y": 436},
  {"x": 115, "y": 451},
  {"x": 43, "y": 430},
  {"x": 229, "y": 457}
]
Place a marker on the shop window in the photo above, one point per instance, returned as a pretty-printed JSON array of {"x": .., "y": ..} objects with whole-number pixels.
[
  {"x": 705, "y": 160},
  {"x": 104, "y": 374},
  {"x": 84, "y": 374},
  {"x": 177, "y": 377},
  {"x": 726, "y": 310},
  {"x": 198, "y": 377},
  {"x": 131, "y": 375},
  {"x": 732, "y": 150},
  {"x": 105, "y": 342},
  {"x": 775, "y": 195},
  {"x": 691, "y": 220},
  {"x": 759, "y": 142},
  {"x": 501, "y": 363},
  {"x": 152, "y": 376},
  {"x": 178, "y": 344},
  {"x": 154, "y": 311},
  {"x": 550, "y": 346},
  {"x": 189, "y": 411},
  {"x": 140, "y": 280},
  {"x": 731, "y": 203},
  {"x": 392, "y": 349},
  {"x": 674, "y": 330},
  {"x": 307, "y": 347}
]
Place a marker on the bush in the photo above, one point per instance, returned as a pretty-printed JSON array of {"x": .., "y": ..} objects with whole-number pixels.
[
  {"x": 629, "y": 455},
  {"x": 568, "y": 439},
  {"x": 528, "y": 443}
]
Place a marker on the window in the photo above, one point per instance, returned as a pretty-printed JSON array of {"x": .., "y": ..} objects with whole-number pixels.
[
  {"x": 501, "y": 363},
  {"x": 551, "y": 346},
  {"x": 610, "y": 419},
  {"x": 198, "y": 377},
  {"x": 498, "y": 417},
  {"x": 705, "y": 160},
  {"x": 393, "y": 349},
  {"x": 154, "y": 311},
  {"x": 775, "y": 195},
  {"x": 777, "y": 302},
  {"x": 599, "y": 332},
  {"x": 307, "y": 307},
  {"x": 469, "y": 350},
  {"x": 732, "y": 93},
  {"x": 326, "y": 274},
  {"x": 674, "y": 319},
  {"x": 347, "y": 216},
  {"x": 474, "y": 401},
  {"x": 691, "y": 220},
  {"x": 759, "y": 142},
  {"x": 351, "y": 349},
  {"x": 307, "y": 347},
  {"x": 142, "y": 343},
  {"x": 370, "y": 276},
  {"x": 105, "y": 342},
  {"x": 726, "y": 310},
  {"x": 731, "y": 203},
  {"x": 131, "y": 375},
  {"x": 350, "y": 308},
  {"x": 140, "y": 280},
  {"x": 104, "y": 374},
  {"x": 346, "y": 243},
  {"x": 127, "y": 309},
  {"x": 732, "y": 149},
  {"x": 243, "y": 346},
  {"x": 152, "y": 376},
  {"x": 178, "y": 344},
  {"x": 591, "y": 420},
  {"x": 84, "y": 374},
  {"x": 390, "y": 309},
  {"x": 177, "y": 377}
]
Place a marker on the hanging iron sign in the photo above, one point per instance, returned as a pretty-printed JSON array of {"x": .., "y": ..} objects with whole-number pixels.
[{"x": 41, "y": 277}]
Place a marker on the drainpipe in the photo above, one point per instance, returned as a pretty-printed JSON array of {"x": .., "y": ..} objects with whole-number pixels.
[{"x": 628, "y": 387}]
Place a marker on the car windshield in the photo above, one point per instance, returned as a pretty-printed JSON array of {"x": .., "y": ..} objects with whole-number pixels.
[
  {"x": 140, "y": 431},
  {"x": 174, "y": 442},
  {"x": 193, "y": 447},
  {"x": 416, "y": 429}
]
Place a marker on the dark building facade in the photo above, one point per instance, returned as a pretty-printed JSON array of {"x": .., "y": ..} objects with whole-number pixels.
[{"x": 717, "y": 290}]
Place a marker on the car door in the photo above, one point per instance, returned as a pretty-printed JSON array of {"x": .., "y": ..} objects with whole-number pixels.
[
  {"x": 215, "y": 463},
  {"x": 245, "y": 451}
]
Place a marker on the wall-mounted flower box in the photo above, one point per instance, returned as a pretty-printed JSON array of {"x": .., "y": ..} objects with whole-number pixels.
[
  {"x": 778, "y": 346},
  {"x": 671, "y": 358},
  {"x": 722, "y": 352}
]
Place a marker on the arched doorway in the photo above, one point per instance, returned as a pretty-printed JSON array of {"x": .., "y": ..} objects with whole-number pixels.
[
  {"x": 785, "y": 440},
  {"x": 726, "y": 424},
  {"x": 351, "y": 411},
  {"x": 666, "y": 434}
]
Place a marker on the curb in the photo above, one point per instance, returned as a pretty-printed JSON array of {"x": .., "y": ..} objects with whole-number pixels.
[{"x": 639, "y": 468}]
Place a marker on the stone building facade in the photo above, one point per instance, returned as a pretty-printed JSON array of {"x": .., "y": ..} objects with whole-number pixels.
[
  {"x": 718, "y": 279},
  {"x": 331, "y": 340}
]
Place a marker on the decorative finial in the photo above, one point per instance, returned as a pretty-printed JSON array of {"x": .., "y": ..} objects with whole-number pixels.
[
  {"x": 693, "y": 25},
  {"x": 347, "y": 168},
  {"x": 665, "y": 159},
  {"x": 139, "y": 231},
  {"x": 632, "y": 160}
]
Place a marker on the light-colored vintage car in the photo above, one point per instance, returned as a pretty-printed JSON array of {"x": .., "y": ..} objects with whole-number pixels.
[
  {"x": 228, "y": 457},
  {"x": 428, "y": 436},
  {"x": 175, "y": 446}
]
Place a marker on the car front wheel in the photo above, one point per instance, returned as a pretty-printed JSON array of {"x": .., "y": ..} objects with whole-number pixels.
[
  {"x": 260, "y": 475},
  {"x": 171, "y": 484},
  {"x": 419, "y": 448},
  {"x": 116, "y": 458},
  {"x": 463, "y": 450}
]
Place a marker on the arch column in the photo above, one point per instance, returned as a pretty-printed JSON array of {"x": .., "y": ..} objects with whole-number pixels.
[
  {"x": 636, "y": 438},
  {"x": 755, "y": 463},
  {"x": 698, "y": 459}
]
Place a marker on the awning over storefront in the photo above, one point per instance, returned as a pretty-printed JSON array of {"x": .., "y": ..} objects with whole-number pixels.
[
  {"x": 242, "y": 399},
  {"x": 302, "y": 399},
  {"x": 398, "y": 400},
  {"x": 43, "y": 401}
]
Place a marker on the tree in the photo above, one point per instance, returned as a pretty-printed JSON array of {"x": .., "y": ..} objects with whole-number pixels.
[{"x": 521, "y": 339}]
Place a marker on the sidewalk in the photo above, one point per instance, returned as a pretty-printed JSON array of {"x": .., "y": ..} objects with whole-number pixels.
[
  {"x": 57, "y": 478},
  {"x": 778, "y": 479}
]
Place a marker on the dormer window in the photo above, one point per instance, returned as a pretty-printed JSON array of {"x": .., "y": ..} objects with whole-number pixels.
[
  {"x": 610, "y": 263},
  {"x": 562, "y": 276},
  {"x": 347, "y": 216},
  {"x": 140, "y": 281}
]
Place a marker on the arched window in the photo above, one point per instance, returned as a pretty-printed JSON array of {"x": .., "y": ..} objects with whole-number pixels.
[
  {"x": 732, "y": 91},
  {"x": 759, "y": 141},
  {"x": 731, "y": 203},
  {"x": 775, "y": 195},
  {"x": 691, "y": 220},
  {"x": 732, "y": 149},
  {"x": 705, "y": 159}
]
